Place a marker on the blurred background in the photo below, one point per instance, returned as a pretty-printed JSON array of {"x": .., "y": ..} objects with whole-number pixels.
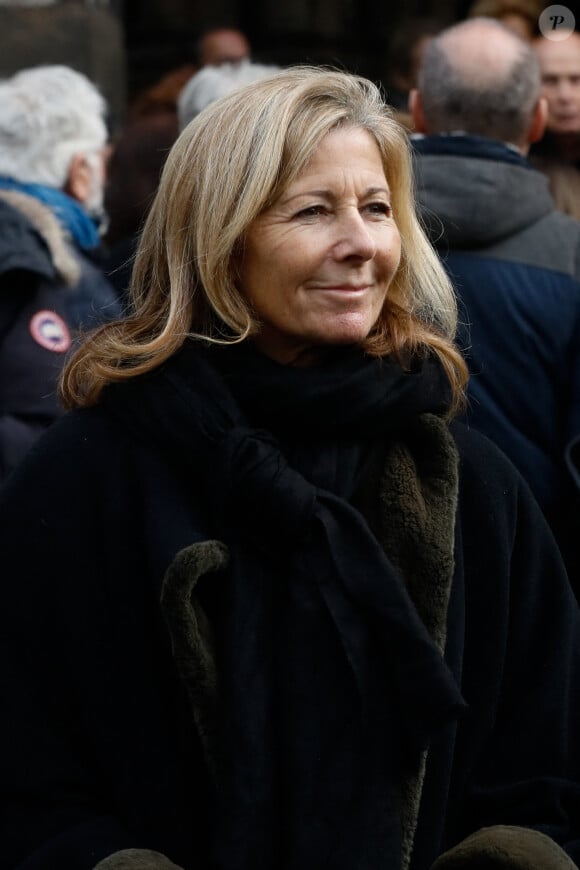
[{"x": 126, "y": 46}]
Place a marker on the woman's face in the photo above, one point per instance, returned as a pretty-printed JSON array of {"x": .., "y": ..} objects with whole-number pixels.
[{"x": 317, "y": 265}]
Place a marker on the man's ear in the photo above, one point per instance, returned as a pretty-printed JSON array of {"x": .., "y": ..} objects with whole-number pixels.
[
  {"x": 78, "y": 183},
  {"x": 416, "y": 110},
  {"x": 538, "y": 122}
]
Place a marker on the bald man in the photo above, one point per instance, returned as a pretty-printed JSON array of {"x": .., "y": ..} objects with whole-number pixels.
[
  {"x": 222, "y": 45},
  {"x": 514, "y": 259}
]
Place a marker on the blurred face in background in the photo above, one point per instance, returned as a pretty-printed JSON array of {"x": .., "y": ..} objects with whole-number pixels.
[
  {"x": 223, "y": 46},
  {"x": 560, "y": 65}
]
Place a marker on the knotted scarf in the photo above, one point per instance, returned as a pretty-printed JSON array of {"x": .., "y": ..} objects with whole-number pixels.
[{"x": 325, "y": 668}]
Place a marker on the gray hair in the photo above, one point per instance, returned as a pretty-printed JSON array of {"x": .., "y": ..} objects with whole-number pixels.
[
  {"x": 48, "y": 114},
  {"x": 213, "y": 82},
  {"x": 460, "y": 90}
]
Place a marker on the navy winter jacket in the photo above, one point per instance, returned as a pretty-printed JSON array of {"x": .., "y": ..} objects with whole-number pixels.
[
  {"x": 49, "y": 292},
  {"x": 515, "y": 263}
]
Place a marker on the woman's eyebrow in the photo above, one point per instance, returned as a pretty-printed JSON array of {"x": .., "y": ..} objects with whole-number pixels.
[{"x": 325, "y": 193}]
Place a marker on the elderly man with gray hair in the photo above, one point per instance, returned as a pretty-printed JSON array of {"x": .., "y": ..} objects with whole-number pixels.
[
  {"x": 515, "y": 261},
  {"x": 53, "y": 140},
  {"x": 213, "y": 82}
]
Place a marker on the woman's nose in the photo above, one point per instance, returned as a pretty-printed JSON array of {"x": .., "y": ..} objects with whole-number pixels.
[{"x": 354, "y": 238}]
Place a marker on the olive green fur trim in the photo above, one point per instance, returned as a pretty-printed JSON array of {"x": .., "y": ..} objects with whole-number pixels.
[
  {"x": 410, "y": 501},
  {"x": 191, "y": 634},
  {"x": 415, "y": 523},
  {"x": 136, "y": 859},
  {"x": 506, "y": 848}
]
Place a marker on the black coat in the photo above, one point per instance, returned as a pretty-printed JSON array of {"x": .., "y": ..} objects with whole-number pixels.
[{"x": 100, "y": 752}]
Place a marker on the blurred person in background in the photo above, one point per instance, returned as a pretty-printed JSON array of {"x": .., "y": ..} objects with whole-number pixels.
[
  {"x": 514, "y": 259},
  {"x": 558, "y": 152},
  {"x": 404, "y": 52},
  {"x": 53, "y": 145},
  {"x": 213, "y": 82},
  {"x": 216, "y": 46},
  {"x": 520, "y": 16},
  {"x": 138, "y": 153},
  {"x": 219, "y": 45}
]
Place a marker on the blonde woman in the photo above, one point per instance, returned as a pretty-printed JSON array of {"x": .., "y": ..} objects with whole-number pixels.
[{"x": 267, "y": 606}]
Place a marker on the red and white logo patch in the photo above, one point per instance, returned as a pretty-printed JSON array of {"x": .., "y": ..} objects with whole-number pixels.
[{"x": 50, "y": 331}]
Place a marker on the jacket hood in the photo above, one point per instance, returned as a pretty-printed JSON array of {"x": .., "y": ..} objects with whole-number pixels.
[
  {"x": 32, "y": 239},
  {"x": 474, "y": 192}
]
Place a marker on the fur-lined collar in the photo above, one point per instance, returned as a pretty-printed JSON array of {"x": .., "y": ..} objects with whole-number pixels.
[{"x": 49, "y": 229}]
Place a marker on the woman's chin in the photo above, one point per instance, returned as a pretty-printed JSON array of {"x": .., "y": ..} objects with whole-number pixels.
[
  {"x": 348, "y": 334},
  {"x": 304, "y": 349}
]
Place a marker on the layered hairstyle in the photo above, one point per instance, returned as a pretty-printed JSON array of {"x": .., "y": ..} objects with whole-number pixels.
[
  {"x": 461, "y": 91},
  {"x": 48, "y": 114},
  {"x": 228, "y": 165}
]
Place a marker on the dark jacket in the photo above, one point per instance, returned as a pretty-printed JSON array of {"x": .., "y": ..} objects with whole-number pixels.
[
  {"x": 101, "y": 750},
  {"x": 515, "y": 263},
  {"x": 49, "y": 292}
]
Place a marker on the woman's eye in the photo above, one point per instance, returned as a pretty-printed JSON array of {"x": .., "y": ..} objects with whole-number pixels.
[
  {"x": 311, "y": 211},
  {"x": 380, "y": 208}
]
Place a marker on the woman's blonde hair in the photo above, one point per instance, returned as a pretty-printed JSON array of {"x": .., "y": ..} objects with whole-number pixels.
[{"x": 228, "y": 165}]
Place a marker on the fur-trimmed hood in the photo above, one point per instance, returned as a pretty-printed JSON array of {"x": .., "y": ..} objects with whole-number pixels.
[
  {"x": 474, "y": 192},
  {"x": 33, "y": 240}
]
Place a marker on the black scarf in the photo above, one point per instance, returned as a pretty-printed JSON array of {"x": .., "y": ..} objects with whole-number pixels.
[{"x": 326, "y": 670}]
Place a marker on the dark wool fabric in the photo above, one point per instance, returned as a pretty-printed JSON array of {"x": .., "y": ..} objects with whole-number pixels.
[
  {"x": 336, "y": 634},
  {"x": 114, "y": 571}
]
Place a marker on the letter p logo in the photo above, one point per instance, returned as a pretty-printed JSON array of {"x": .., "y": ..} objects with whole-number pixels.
[{"x": 557, "y": 23}]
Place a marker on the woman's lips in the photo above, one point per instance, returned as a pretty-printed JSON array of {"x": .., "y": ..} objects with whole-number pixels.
[{"x": 344, "y": 288}]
